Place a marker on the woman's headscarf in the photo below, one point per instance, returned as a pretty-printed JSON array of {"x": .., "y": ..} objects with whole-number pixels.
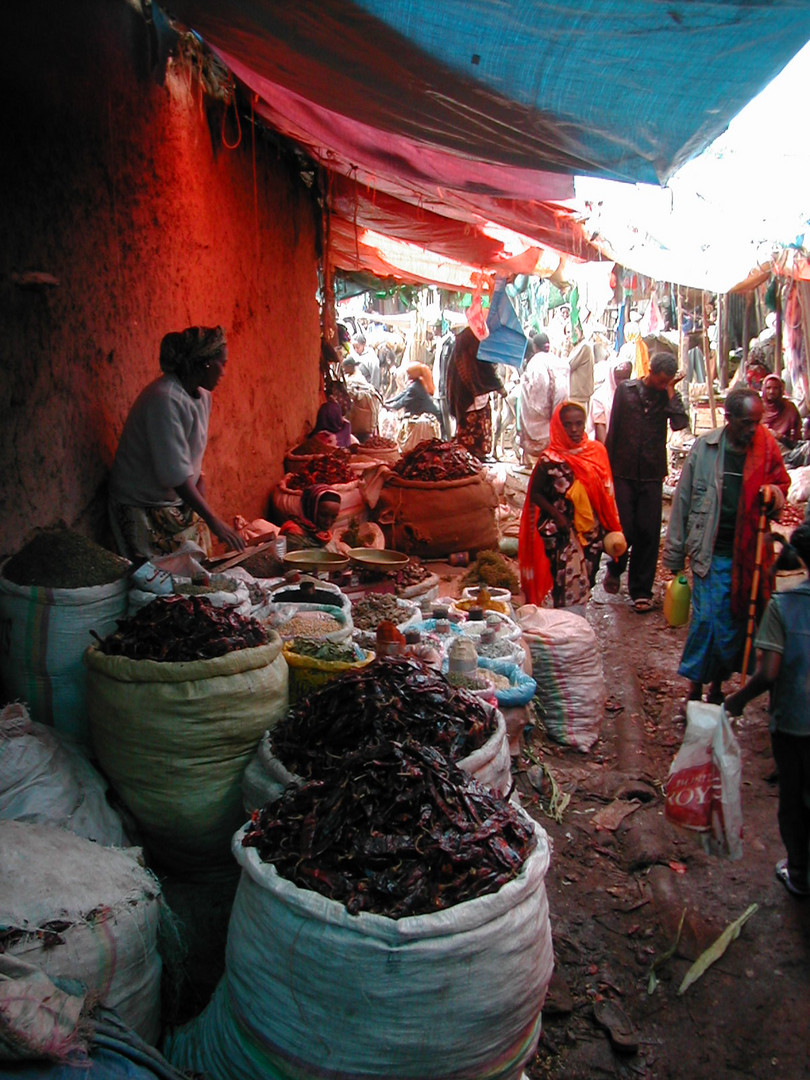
[
  {"x": 467, "y": 376},
  {"x": 311, "y": 499},
  {"x": 590, "y": 465},
  {"x": 185, "y": 352},
  {"x": 423, "y": 373},
  {"x": 330, "y": 418}
]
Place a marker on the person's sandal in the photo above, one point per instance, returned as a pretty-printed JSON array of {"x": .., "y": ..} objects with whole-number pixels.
[
  {"x": 783, "y": 875},
  {"x": 611, "y": 584},
  {"x": 642, "y": 604}
]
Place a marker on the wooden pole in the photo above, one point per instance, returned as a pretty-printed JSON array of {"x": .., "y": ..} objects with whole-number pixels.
[
  {"x": 752, "y": 602},
  {"x": 709, "y": 362},
  {"x": 682, "y": 365},
  {"x": 777, "y": 352},
  {"x": 722, "y": 338},
  {"x": 746, "y": 329}
]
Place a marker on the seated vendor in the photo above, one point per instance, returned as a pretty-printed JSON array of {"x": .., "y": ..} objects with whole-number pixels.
[
  {"x": 320, "y": 506},
  {"x": 780, "y": 415},
  {"x": 331, "y": 424},
  {"x": 415, "y": 399}
]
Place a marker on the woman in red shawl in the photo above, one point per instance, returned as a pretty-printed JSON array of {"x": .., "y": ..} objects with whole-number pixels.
[{"x": 569, "y": 508}]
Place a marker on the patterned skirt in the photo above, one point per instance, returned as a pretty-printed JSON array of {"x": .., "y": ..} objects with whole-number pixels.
[
  {"x": 146, "y": 532},
  {"x": 474, "y": 433}
]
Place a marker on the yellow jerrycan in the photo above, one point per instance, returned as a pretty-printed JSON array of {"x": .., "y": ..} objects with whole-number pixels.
[{"x": 677, "y": 598}]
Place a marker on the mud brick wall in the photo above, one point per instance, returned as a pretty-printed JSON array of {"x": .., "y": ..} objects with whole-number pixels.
[{"x": 114, "y": 180}]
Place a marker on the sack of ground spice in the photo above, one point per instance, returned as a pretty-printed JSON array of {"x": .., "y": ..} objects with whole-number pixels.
[
  {"x": 315, "y": 662},
  {"x": 371, "y": 609},
  {"x": 53, "y": 592},
  {"x": 264, "y": 1016},
  {"x": 324, "y": 622}
]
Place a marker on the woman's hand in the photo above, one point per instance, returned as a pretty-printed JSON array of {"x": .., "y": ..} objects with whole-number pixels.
[
  {"x": 562, "y": 523},
  {"x": 190, "y": 493},
  {"x": 227, "y": 535}
]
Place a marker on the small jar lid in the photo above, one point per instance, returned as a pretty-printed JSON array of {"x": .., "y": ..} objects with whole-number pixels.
[{"x": 476, "y": 614}]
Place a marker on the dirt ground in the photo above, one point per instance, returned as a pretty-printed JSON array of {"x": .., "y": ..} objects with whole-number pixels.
[{"x": 617, "y": 895}]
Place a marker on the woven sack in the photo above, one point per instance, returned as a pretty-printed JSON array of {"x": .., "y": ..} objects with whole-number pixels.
[
  {"x": 107, "y": 908},
  {"x": 567, "y": 667},
  {"x": 47, "y": 632},
  {"x": 310, "y": 990},
  {"x": 174, "y": 740},
  {"x": 432, "y": 519}
]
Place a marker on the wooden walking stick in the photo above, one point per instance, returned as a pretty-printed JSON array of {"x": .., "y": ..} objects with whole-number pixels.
[{"x": 765, "y": 497}]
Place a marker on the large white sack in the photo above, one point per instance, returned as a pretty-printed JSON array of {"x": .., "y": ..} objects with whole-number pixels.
[
  {"x": 567, "y": 667},
  {"x": 311, "y": 991},
  {"x": 48, "y": 631},
  {"x": 44, "y": 779},
  {"x": 110, "y": 907},
  {"x": 175, "y": 738}
]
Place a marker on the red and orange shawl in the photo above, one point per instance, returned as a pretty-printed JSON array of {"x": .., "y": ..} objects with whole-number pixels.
[
  {"x": 763, "y": 465},
  {"x": 590, "y": 465}
]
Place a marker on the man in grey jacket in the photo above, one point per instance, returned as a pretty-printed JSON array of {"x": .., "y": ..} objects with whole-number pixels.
[{"x": 729, "y": 475}]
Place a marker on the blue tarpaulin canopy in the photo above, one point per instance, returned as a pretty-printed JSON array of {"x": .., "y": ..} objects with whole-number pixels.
[
  {"x": 506, "y": 343},
  {"x": 480, "y": 112}
]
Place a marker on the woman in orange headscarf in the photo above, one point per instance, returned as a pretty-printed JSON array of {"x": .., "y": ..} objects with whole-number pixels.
[{"x": 568, "y": 510}]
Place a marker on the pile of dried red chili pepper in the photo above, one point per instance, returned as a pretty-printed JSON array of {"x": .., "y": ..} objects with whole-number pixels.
[
  {"x": 436, "y": 460},
  {"x": 396, "y": 830},
  {"x": 391, "y": 699},
  {"x": 175, "y": 629},
  {"x": 326, "y": 469}
]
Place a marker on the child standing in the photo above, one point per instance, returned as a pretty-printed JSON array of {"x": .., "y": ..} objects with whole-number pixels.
[{"x": 783, "y": 667}]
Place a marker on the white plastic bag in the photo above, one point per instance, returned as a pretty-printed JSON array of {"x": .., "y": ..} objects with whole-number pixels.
[
  {"x": 311, "y": 990},
  {"x": 703, "y": 786}
]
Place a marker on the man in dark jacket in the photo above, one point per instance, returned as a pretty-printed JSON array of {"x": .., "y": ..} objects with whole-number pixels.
[{"x": 637, "y": 448}]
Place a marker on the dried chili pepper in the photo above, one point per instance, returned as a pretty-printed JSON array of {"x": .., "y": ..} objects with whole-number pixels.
[
  {"x": 324, "y": 469},
  {"x": 396, "y": 830},
  {"x": 175, "y": 629},
  {"x": 434, "y": 460},
  {"x": 390, "y": 699}
]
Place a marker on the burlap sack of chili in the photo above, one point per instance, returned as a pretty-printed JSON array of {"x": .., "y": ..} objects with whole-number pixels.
[{"x": 432, "y": 519}]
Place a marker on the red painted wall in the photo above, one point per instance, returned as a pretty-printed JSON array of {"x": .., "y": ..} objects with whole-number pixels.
[{"x": 119, "y": 187}]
